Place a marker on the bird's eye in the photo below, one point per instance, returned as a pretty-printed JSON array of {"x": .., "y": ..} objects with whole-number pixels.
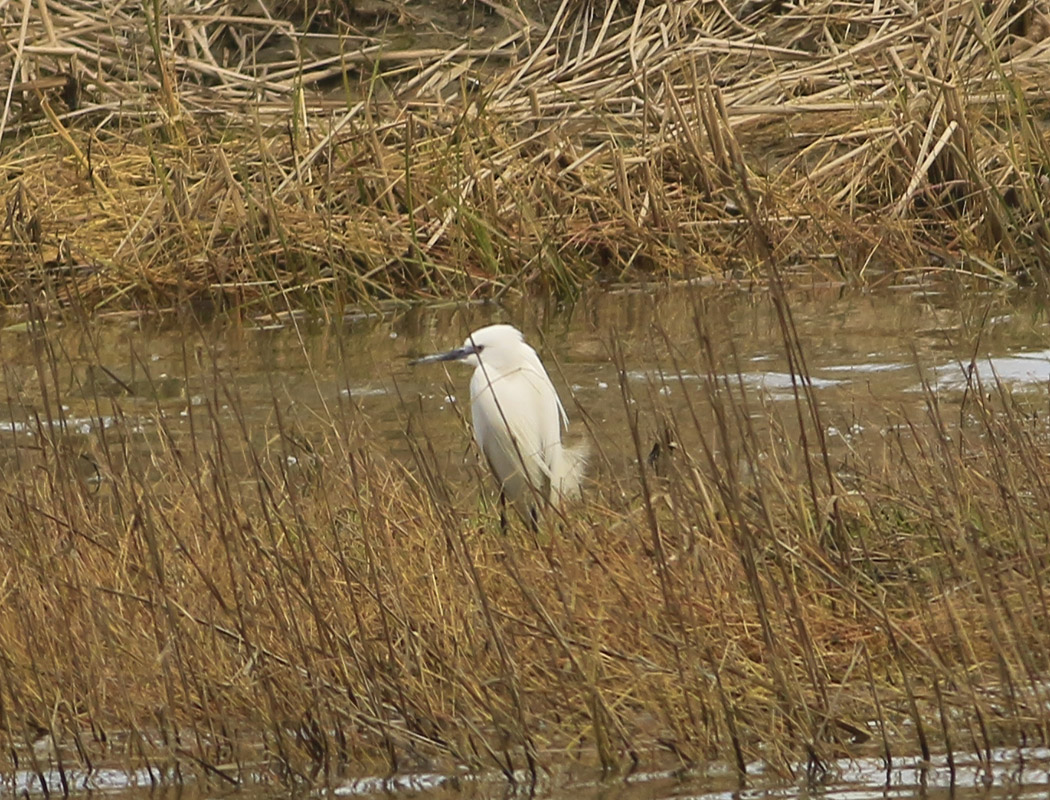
[{"x": 478, "y": 348}]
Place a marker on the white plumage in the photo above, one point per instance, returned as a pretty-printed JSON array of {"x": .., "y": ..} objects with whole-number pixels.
[{"x": 518, "y": 419}]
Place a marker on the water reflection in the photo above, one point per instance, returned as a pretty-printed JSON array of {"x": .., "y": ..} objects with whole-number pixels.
[
  {"x": 869, "y": 356},
  {"x": 999, "y": 774}
]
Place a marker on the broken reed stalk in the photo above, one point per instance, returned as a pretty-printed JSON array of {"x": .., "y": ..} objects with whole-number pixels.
[{"x": 157, "y": 159}]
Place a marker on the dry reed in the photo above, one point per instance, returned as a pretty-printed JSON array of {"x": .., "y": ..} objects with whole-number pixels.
[
  {"x": 238, "y": 599},
  {"x": 218, "y": 155}
]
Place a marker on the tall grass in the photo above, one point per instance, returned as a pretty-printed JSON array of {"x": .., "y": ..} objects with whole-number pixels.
[
  {"x": 155, "y": 158},
  {"x": 236, "y": 599}
]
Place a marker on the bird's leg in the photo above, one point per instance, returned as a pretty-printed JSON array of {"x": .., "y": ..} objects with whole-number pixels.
[
  {"x": 502, "y": 513},
  {"x": 534, "y": 519}
]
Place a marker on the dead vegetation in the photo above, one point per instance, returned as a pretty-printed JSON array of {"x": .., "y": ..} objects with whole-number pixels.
[
  {"x": 222, "y": 153},
  {"x": 240, "y": 601}
]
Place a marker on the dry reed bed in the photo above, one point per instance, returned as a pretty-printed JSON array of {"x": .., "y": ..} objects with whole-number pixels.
[
  {"x": 155, "y": 156},
  {"x": 283, "y": 598}
]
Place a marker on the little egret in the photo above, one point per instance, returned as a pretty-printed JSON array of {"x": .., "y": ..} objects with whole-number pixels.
[{"x": 518, "y": 420}]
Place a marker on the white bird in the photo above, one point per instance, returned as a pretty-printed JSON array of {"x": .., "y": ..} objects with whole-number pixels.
[{"x": 518, "y": 420}]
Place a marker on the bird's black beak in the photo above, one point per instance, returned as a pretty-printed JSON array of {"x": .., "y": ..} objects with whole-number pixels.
[{"x": 452, "y": 355}]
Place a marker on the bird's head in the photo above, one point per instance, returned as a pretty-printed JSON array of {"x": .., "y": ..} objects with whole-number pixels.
[{"x": 495, "y": 344}]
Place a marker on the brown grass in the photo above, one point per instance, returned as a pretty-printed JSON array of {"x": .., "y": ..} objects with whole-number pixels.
[
  {"x": 220, "y": 157},
  {"x": 253, "y": 599}
]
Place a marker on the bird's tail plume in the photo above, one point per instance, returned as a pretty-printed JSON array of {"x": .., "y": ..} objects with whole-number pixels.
[{"x": 570, "y": 464}]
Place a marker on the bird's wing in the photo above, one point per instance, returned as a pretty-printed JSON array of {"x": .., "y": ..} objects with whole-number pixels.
[
  {"x": 515, "y": 421},
  {"x": 534, "y": 365}
]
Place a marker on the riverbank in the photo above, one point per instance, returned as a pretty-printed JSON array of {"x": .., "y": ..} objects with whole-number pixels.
[{"x": 222, "y": 158}]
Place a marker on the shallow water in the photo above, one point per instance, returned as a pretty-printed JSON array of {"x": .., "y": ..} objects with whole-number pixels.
[
  {"x": 1005, "y": 773},
  {"x": 874, "y": 360}
]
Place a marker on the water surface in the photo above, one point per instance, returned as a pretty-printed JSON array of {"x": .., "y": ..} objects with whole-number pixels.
[{"x": 873, "y": 359}]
